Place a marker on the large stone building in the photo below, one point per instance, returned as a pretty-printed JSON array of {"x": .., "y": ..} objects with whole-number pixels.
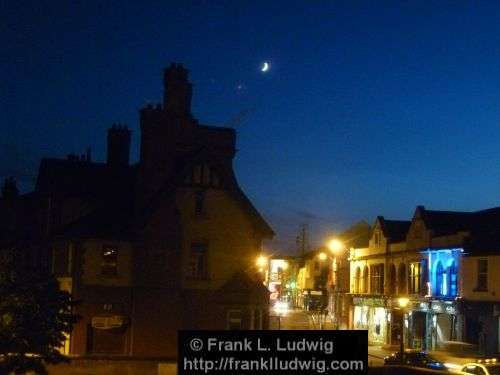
[{"x": 149, "y": 248}]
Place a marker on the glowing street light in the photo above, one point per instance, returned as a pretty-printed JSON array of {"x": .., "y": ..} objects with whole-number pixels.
[
  {"x": 336, "y": 245},
  {"x": 403, "y": 302},
  {"x": 261, "y": 261},
  {"x": 322, "y": 256}
]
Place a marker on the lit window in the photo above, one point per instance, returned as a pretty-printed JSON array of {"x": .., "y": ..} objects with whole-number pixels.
[
  {"x": 109, "y": 263},
  {"x": 415, "y": 277},
  {"x": 441, "y": 280}
]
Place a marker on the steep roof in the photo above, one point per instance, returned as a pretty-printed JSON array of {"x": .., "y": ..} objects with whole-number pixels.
[
  {"x": 83, "y": 178},
  {"x": 357, "y": 236},
  {"x": 394, "y": 230},
  {"x": 483, "y": 227}
]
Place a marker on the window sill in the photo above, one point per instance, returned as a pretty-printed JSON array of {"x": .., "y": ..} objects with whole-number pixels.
[{"x": 480, "y": 290}]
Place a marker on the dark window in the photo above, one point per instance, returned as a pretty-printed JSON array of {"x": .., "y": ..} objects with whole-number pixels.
[
  {"x": 357, "y": 280},
  {"x": 482, "y": 275},
  {"x": 197, "y": 267},
  {"x": 365, "y": 280},
  {"x": 402, "y": 279},
  {"x": 391, "y": 280},
  {"x": 452, "y": 282},
  {"x": 440, "y": 280},
  {"x": 234, "y": 321},
  {"x": 204, "y": 175},
  {"x": 199, "y": 202},
  {"x": 377, "y": 279},
  {"x": 109, "y": 264}
]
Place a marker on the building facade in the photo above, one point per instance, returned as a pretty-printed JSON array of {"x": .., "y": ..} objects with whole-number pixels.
[
  {"x": 166, "y": 244},
  {"x": 376, "y": 283},
  {"x": 445, "y": 264}
]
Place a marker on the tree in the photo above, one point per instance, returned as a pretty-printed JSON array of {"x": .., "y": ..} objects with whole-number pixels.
[{"x": 35, "y": 318}]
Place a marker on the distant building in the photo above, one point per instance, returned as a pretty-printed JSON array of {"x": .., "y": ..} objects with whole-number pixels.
[
  {"x": 282, "y": 278},
  {"x": 340, "y": 299},
  {"x": 447, "y": 264},
  {"x": 312, "y": 279},
  {"x": 458, "y": 272},
  {"x": 169, "y": 243},
  {"x": 373, "y": 280}
]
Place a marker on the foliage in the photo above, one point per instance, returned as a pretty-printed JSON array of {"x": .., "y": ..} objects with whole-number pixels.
[{"x": 35, "y": 317}]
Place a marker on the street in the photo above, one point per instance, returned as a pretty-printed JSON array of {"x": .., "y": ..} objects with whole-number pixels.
[{"x": 298, "y": 319}]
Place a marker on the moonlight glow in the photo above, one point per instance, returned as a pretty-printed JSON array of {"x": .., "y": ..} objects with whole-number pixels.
[{"x": 265, "y": 67}]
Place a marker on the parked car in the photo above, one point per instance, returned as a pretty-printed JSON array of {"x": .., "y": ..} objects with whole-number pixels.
[
  {"x": 415, "y": 358},
  {"x": 482, "y": 367}
]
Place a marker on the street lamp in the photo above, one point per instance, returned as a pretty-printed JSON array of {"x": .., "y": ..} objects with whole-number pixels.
[
  {"x": 335, "y": 245},
  {"x": 402, "y": 302},
  {"x": 322, "y": 256},
  {"x": 261, "y": 261}
]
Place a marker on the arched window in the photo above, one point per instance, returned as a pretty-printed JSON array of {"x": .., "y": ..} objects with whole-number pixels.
[
  {"x": 366, "y": 278},
  {"x": 452, "y": 279},
  {"x": 440, "y": 287},
  {"x": 391, "y": 280},
  {"x": 357, "y": 277},
  {"x": 402, "y": 279}
]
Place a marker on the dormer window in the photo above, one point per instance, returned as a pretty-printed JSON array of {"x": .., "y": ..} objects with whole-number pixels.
[{"x": 203, "y": 175}]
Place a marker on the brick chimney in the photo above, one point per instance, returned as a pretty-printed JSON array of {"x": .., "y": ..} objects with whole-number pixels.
[
  {"x": 118, "y": 145},
  {"x": 9, "y": 189},
  {"x": 178, "y": 91}
]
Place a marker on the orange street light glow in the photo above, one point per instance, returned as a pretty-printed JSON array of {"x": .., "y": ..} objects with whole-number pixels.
[{"x": 335, "y": 245}]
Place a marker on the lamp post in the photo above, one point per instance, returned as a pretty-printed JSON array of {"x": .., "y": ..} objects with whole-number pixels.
[
  {"x": 402, "y": 302},
  {"x": 340, "y": 279},
  {"x": 262, "y": 263}
]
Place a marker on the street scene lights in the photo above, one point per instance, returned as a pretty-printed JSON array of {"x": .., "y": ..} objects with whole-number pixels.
[
  {"x": 335, "y": 245},
  {"x": 402, "y": 302},
  {"x": 261, "y": 262}
]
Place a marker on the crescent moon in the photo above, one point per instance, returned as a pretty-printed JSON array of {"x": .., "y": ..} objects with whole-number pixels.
[{"x": 265, "y": 67}]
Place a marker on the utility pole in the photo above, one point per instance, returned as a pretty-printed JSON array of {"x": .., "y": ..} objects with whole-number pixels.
[{"x": 302, "y": 240}]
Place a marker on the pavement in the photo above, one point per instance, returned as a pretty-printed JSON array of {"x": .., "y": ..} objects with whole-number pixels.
[
  {"x": 298, "y": 319},
  {"x": 376, "y": 355}
]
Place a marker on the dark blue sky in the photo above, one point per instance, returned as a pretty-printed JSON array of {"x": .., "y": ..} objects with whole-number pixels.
[{"x": 369, "y": 108}]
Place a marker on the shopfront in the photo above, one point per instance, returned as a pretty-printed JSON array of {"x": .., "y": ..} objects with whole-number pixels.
[{"x": 372, "y": 314}]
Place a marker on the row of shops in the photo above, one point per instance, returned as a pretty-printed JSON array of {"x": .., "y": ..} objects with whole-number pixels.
[{"x": 428, "y": 324}]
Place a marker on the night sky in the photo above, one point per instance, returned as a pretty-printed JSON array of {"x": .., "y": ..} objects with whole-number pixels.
[{"x": 369, "y": 108}]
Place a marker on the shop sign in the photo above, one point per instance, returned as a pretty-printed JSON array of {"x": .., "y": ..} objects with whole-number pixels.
[
  {"x": 450, "y": 309},
  {"x": 423, "y": 306},
  {"x": 108, "y": 322},
  {"x": 374, "y": 302},
  {"x": 436, "y": 307}
]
